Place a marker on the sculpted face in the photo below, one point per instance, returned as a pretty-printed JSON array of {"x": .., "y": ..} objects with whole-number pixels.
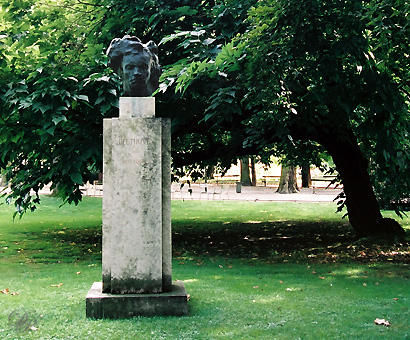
[
  {"x": 136, "y": 73},
  {"x": 137, "y": 64}
]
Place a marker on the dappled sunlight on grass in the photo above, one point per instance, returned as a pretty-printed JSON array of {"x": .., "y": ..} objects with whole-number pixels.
[
  {"x": 277, "y": 272},
  {"x": 190, "y": 280},
  {"x": 210, "y": 228},
  {"x": 294, "y": 233}
]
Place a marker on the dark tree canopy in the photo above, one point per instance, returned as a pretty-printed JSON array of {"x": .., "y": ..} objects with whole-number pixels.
[
  {"x": 330, "y": 83},
  {"x": 240, "y": 78},
  {"x": 321, "y": 72}
]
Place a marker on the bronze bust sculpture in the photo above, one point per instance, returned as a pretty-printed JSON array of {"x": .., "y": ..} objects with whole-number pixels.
[{"x": 137, "y": 64}]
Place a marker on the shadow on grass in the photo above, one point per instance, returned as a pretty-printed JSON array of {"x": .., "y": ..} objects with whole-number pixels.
[
  {"x": 259, "y": 239},
  {"x": 285, "y": 242},
  {"x": 268, "y": 241},
  {"x": 55, "y": 246}
]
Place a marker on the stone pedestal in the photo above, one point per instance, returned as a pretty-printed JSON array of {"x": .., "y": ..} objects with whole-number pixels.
[
  {"x": 136, "y": 216},
  {"x": 121, "y": 306}
]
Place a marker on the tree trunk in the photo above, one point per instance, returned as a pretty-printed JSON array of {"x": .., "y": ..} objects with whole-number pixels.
[
  {"x": 245, "y": 173},
  {"x": 253, "y": 171},
  {"x": 287, "y": 182},
  {"x": 56, "y": 191},
  {"x": 209, "y": 172},
  {"x": 362, "y": 206},
  {"x": 306, "y": 177}
]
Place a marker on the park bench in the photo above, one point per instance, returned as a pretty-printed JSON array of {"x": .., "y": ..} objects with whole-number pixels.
[
  {"x": 325, "y": 178},
  {"x": 226, "y": 178},
  {"x": 98, "y": 188},
  {"x": 214, "y": 190},
  {"x": 268, "y": 177}
]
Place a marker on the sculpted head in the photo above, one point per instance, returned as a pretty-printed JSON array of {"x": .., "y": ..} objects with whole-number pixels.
[{"x": 137, "y": 64}]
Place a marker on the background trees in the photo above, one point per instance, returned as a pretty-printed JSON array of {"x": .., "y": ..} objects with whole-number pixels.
[
  {"x": 55, "y": 91},
  {"x": 328, "y": 86},
  {"x": 316, "y": 72},
  {"x": 56, "y": 86}
]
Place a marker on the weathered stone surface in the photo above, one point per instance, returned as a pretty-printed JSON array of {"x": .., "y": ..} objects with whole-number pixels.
[
  {"x": 107, "y": 204},
  {"x": 136, "y": 216},
  {"x": 143, "y": 107},
  {"x": 115, "y": 306},
  {"x": 137, "y": 203},
  {"x": 166, "y": 206},
  {"x": 137, "y": 249}
]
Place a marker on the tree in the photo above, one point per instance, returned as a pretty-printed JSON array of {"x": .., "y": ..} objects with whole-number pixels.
[
  {"x": 288, "y": 183},
  {"x": 253, "y": 171},
  {"x": 326, "y": 73},
  {"x": 306, "y": 176},
  {"x": 56, "y": 87},
  {"x": 49, "y": 128},
  {"x": 245, "y": 171},
  {"x": 326, "y": 85}
]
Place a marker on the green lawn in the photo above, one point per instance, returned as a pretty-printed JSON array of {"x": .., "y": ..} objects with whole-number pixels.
[{"x": 253, "y": 270}]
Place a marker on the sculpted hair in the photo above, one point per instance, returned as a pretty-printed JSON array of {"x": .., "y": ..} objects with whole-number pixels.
[{"x": 133, "y": 45}]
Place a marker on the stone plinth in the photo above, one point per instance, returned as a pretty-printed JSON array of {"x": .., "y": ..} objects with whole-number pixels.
[
  {"x": 136, "y": 254},
  {"x": 120, "y": 306}
]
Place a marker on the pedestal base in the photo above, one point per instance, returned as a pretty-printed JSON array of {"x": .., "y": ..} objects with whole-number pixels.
[{"x": 120, "y": 306}]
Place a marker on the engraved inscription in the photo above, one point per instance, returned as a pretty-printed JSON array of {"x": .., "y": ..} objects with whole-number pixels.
[
  {"x": 133, "y": 161},
  {"x": 132, "y": 141},
  {"x": 137, "y": 161}
]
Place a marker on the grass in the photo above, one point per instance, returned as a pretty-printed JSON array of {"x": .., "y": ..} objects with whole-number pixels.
[{"x": 253, "y": 270}]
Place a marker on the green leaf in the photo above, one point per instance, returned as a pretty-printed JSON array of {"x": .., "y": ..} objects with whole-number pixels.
[
  {"x": 83, "y": 97},
  {"x": 99, "y": 100},
  {"x": 59, "y": 119},
  {"x": 76, "y": 178},
  {"x": 44, "y": 108},
  {"x": 51, "y": 130},
  {"x": 113, "y": 92}
]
